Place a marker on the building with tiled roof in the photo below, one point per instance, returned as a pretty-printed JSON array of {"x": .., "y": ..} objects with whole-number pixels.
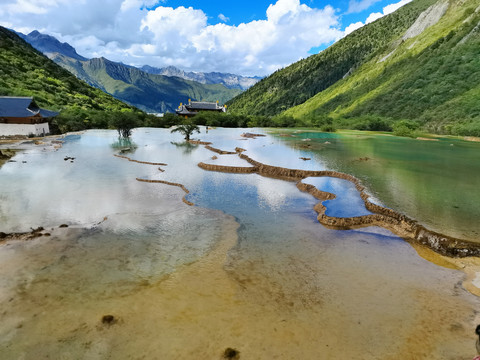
[
  {"x": 194, "y": 107},
  {"x": 22, "y": 116}
]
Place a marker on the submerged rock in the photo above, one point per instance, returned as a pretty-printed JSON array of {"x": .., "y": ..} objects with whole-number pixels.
[
  {"x": 108, "y": 319},
  {"x": 230, "y": 353},
  {"x": 251, "y": 135}
]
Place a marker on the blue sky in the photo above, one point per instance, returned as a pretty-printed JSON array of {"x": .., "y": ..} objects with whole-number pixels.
[
  {"x": 241, "y": 37},
  {"x": 245, "y": 11}
]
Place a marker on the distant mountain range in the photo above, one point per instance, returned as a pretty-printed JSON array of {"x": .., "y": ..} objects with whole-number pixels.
[
  {"x": 150, "y": 89},
  {"x": 230, "y": 81},
  {"x": 420, "y": 63},
  {"x": 149, "y": 92}
]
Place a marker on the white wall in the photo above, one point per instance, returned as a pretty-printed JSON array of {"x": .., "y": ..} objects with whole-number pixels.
[{"x": 24, "y": 129}]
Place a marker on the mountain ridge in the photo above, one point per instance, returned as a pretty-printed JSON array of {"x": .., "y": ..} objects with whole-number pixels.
[
  {"x": 432, "y": 78},
  {"x": 231, "y": 81},
  {"x": 48, "y": 44},
  {"x": 300, "y": 81},
  {"x": 418, "y": 64}
]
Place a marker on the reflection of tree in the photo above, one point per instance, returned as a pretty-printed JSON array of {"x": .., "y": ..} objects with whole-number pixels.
[
  {"x": 186, "y": 147},
  {"x": 125, "y": 145}
]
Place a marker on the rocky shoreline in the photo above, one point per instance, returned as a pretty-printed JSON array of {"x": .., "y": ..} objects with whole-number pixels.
[{"x": 6, "y": 155}]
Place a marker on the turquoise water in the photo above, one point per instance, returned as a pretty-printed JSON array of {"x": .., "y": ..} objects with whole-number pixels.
[
  {"x": 435, "y": 182},
  {"x": 284, "y": 278}
]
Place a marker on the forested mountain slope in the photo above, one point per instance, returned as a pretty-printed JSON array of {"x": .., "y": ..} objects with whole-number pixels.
[
  {"x": 300, "y": 81},
  {"x": 432, "y": 78},
  {"x": 26, "y": 72},
  {"x": 420, "y": 63}
]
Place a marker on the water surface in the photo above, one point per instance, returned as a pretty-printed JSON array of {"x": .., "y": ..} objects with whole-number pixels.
[
  {"x": 435, "y": 182},
  {"x": 247, "y": 267}
]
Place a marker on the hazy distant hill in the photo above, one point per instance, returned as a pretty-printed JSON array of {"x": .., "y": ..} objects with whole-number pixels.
[
  {"x": 420, "y": 63},
  {"x": 230, "y": 81}
]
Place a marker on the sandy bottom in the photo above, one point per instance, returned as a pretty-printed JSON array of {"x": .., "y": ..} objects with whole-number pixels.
[{"x": 298, "y": 303}]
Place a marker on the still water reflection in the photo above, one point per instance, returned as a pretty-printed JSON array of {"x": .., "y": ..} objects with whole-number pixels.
[
  {"x": 248, "y": 267},
  {"x": 435, "y": 182}
]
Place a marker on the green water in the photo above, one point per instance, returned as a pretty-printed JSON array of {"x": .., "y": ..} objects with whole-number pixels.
[{"x": 434, "y": 182}]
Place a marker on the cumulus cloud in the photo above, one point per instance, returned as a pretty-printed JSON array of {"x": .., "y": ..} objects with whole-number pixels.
[
  {"x": 375, "y": 16},
  {"x": 29, "y": 6},
  {"x": 144, "y": 32},
  {"x": 257, "y": 47},
  {"x": 393, "y": 7},
  {"x": 352, "y": 27}
]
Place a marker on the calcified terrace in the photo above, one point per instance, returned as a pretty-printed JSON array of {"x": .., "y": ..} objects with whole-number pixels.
[{"x": 397, "y": 223}]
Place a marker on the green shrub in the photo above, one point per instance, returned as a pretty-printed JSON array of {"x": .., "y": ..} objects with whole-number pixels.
[
  {"x": 328, "y": 128},
  {"x": 406, "y": 128}
]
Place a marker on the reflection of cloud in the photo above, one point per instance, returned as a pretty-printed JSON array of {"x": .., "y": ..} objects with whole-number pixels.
[
  {"x": 48, "y": 191},
  {"x": 274, "y": 193}
]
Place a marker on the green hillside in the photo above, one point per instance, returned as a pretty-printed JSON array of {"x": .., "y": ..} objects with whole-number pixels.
[
  {"x": 427, "y": 75},
  {"x": 26, "y": 72},
  {"x": 302, "y": 80},
  {"x": 149, "y": 92}
]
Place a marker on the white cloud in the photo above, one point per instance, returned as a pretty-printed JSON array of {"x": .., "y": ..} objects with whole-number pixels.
[
  {"x": 393, "y": 7},
  {"x": 372, "y": 17},
  {"x": 352, "y": 27},
  {"x": 375, "y": 16},
  {"x": 127, "y": 31},
  {"x": 30, "y": 6},
  {"x": 223, "y": 18}
]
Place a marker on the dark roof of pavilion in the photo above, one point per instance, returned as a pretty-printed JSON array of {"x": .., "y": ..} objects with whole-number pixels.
[
  {"x": 202, "y": 105},
  {"x": 22, "y": 107},
  {"x": 184, "y": 111}
]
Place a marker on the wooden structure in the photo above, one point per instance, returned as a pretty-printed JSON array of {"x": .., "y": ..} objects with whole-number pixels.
[
  {"x": 194, "y": 107},
  {"x": 22, "y": 116}
]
